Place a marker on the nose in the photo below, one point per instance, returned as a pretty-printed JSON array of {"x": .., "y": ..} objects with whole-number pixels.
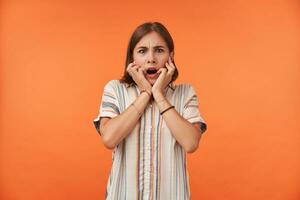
[{"x": 151, "y": 57}]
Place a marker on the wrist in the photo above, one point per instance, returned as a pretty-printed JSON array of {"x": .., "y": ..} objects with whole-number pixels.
[
  {"x": 158, "y": 96},
  {"x": 149, "y": 93},
  {"x": 170, "y": 107}
]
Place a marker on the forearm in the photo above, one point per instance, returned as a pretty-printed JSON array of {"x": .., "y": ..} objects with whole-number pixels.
[
  {"x": 119, "y": 127},
  {"x": 183, "y": 131}
]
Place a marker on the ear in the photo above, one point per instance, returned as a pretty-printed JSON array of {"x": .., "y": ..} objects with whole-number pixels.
[{"x": 172, "y": 55}]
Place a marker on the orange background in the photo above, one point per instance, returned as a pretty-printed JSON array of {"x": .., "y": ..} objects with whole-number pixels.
[{"x": 242, "y": 57}]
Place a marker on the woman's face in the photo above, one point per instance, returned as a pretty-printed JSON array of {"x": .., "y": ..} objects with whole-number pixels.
[{"x": 151, "y": 53}]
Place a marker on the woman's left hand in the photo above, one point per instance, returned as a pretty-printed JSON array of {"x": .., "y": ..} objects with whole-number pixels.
[{"x": 165, "y": 77}]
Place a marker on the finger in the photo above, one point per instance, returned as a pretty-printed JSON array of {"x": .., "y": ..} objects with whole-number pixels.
[
  {"x": 159, "y": 71},
  {"x": 168, "y": 66},
  {"x": 133, "y": 71},
  {"x": 171, "y": 71},
  {"x": 171, "y": 63},
  {"x": 130, "y": 66},
  {"x": 140, "y": 71},
  {"x": 135, "y": 67},
  {"x": 171, "y": 59},
  {"x": 143, "y": 70},
  {"x": 163, "y": 70}
]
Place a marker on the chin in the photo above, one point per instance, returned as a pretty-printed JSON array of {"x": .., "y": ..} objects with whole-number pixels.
[{"x": 152, "y": 82}]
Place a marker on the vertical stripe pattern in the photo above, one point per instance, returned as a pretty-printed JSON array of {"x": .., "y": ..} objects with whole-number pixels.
[{"x": 148, "y": 164}]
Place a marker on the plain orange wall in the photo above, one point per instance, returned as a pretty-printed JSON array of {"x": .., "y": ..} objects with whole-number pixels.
[{"x": 241, "y": 56}]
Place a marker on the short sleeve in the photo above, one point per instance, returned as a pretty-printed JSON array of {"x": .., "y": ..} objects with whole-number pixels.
[
  {"x": 191, "y": 108},
  {"x": 109, "y": 106}
]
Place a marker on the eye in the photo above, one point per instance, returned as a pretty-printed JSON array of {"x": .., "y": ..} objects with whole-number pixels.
[
  {"x": 159, "y": 50},
  {"x": 141, "y": 51}
]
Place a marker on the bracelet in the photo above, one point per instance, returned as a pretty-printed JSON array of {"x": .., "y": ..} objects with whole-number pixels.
[
  {"x": 147, "y": 92},
  {"x": 136, "y": 109},
  {"x": 166, "y": 110}
]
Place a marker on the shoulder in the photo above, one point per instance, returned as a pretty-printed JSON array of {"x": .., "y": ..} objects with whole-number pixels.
[
  {"x": 113, "y": 84},
  {"x": 185, "y": 92},
  {"x": 184, "y": 88}
]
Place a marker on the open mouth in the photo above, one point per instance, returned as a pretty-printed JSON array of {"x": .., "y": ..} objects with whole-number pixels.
[{"x": 151, "y": 71}]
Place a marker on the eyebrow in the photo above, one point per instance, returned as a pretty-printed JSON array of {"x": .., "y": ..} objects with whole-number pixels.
[{"x": 144, "y": 47}]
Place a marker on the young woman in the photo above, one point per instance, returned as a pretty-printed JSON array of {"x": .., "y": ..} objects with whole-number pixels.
[{"x": 149, "y": 122}]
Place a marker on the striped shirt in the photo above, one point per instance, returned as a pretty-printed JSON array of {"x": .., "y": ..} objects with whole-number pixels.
[{"x": 149, "y": 163}]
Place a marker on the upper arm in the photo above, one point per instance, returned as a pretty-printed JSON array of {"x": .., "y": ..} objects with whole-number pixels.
[
  {"x": 103, "y": 122},
  {"x": 191, "y": 110},
  {"x": 200, "y": 126},
  {"x": 197, "y": 126},
  {"x": 109, "y": 106}
]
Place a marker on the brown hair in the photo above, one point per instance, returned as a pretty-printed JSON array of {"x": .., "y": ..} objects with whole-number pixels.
[{"x": 136, "y": 36}]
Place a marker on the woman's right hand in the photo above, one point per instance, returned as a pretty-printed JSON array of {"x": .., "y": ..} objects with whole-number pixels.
[{"x": 137, "y": 74}]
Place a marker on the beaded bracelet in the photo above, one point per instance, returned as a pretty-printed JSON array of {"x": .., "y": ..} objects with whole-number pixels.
[
  {"x": 146, "y": 92},
  {"x": 167, "y": 109}
]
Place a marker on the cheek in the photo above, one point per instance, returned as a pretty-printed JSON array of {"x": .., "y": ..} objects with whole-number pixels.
[
  {"x": 138, "y": 59},
  {"x": 165, "y": 58},
  {"x": 164, "y": 61}
]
